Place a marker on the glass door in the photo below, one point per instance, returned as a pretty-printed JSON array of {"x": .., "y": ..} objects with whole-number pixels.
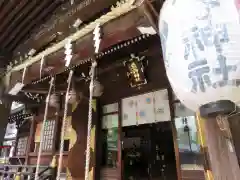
[{"x": 110, "y": 162}]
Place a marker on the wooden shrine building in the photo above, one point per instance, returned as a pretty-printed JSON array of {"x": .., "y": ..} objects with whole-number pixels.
[{"x": 139, "y": 131}]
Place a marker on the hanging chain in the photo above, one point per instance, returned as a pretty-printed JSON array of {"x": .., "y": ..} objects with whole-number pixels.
[
  {"x": 91, "y": 86},
  {"x": 42, "y": 129},
  {"x": 64, "y": 122}
]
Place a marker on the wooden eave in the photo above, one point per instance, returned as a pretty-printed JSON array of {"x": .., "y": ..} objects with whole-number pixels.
[
  {"x": 117, "y": 30},
  {"x": 111, "y": 60},
  {"x": 18, "y": 98},
  {"x": 18, "y": 19},
  {"x": 61, "y": 25}
]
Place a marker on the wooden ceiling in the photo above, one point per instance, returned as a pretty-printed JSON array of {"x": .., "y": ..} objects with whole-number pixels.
[{"x": 19, "y": 18}]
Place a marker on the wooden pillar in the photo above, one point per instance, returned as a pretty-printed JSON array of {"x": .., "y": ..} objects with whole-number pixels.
[
  {"x": 5, "y": 110},
  {"x": 93, "y": 155},
  {"x": 204, "y": 148},
  {"x": 120, "y": 163},
  {"x": 31, "y": 138},
  {"x": 220, "y": 151},
  {"x": 76, "y": 155},
  {"x": 234, "y": 123}
]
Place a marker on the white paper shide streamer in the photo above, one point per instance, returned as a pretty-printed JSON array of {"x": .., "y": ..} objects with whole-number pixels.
[
  {"x": 68, "y": 52},
  {"x": 97, "y": 37},
  {"x": 97, "y": 41}
]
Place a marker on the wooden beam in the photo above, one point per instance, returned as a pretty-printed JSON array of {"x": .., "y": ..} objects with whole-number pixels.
[
  {"x": 11, "y": 15},
  {"x": 150, "y": 14},
  {"x": 32, "y": 17},
  {"x": 117, "y": 12},
  {"x": 17, "y": 20},
  {"x": 2, "y": 4},
  {"x": 35, "y": 19},
  {"x": 82, "y": 9},
  {"x": 121, "y": 29},
  {"x": 11, "y": 98},
  {"x": 4, "y": 12}
]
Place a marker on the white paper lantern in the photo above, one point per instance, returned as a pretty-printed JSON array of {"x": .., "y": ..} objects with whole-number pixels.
[{"x": 201, "y": 49}]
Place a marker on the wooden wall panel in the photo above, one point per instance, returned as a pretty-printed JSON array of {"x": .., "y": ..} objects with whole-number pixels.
[{"x": 116, "y": 85}]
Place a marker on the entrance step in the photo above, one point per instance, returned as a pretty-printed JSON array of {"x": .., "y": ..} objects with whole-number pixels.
[
  {"x": 109, "y": 174},
  {"x": 193, "y": 175}
]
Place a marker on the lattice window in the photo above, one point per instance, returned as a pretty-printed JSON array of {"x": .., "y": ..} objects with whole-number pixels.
[
  {"x": 22, "y": 146},
  {"x": 48, "y": 137}
]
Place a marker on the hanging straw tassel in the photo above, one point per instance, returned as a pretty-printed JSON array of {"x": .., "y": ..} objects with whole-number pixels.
[
  {"x": 42, "y": 129},
  {"x": 63, "y": 126}
]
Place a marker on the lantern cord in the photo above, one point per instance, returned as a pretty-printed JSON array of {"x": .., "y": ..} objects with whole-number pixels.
[
  {"x": 42, "y": 129},
  {"x": 63, "y": 129},
  {"x": 91, "y": 86}
]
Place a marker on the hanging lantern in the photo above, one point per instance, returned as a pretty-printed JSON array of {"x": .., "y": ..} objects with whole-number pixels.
[
  {"x": 54, "y": 100},
  {"x": 201, "y": 52},
  {"x": 98, "y": 89}
]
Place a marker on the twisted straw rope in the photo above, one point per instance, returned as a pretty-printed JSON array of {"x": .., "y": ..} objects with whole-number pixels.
[
  {"x": 42, "y": 129},
  {"x": 94, "y": 64},
  {"x": 64, "y": 127}
]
